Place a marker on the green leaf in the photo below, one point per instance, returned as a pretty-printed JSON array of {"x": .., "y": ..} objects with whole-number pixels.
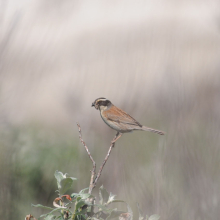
[
  {"x": 111, "y": 198},
  {"x": 74, "y": 195},
  {"x": 80, "y": 216},
  {"x": 118, "y": 200},
  {"x": 54, "y": 210},
  {"x": 85, "y": 196},
  {"x": 128, "y": 207},
  {"x": 103, "y": 195},
  {"x": 103, "y": 208},
  {"x": 63, "y": 182},
  {"x": 44, "y": 215},
  {"x": 41, "y": 206},
  {"x": 66, "y": 184},
  {"x": 83, "y": 190},
  {"x": 81, "y": 203},
  {"x": 58, "y": 209},
  {"x": 59, "y": 176},
  {"x": 50, "y": 217},
  {"x": 154, "y": 217},
  {"x": 114, "y": 214}
]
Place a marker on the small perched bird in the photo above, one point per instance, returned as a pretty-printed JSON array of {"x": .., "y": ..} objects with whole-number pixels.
[{"x": 119, "y": 120}]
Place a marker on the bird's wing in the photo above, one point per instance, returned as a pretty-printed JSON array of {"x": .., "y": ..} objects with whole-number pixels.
[{"x": 119, "y": 116}]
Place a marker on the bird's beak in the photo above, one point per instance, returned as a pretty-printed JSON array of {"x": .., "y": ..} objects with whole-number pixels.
[{"x": 93, "y": 104}]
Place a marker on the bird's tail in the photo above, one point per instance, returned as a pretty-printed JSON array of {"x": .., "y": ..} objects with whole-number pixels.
[{"x": 144, "y": 128}]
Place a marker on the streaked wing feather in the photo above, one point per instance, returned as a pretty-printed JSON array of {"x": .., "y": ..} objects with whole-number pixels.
[{"x": 121, "y": 117}]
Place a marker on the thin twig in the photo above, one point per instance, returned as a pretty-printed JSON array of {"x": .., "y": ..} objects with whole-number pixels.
[
  {"x": 91, "y": 185},
  {"x": 94, "y": 178},
  {"x": 106, "y": 158}
]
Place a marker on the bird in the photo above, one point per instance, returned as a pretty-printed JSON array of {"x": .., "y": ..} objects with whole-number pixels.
[{"x": 118, "y": 119}]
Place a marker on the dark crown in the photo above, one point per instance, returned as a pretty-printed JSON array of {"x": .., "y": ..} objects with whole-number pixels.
[{"x": 102, "y": 102}]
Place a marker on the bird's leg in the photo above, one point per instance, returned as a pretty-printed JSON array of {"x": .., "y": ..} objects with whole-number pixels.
[{"x": 117, "y": 136}]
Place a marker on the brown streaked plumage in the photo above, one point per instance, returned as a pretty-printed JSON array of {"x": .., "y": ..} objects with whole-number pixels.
[{"x": 118, "y": 119}]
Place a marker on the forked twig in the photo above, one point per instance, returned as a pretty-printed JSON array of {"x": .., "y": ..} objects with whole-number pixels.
[{"x": 95, "y": 178}]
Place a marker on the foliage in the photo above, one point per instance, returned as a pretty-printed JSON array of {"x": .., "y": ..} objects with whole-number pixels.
[
  {"x": 152, "y": 217},
  {"x": 82, "y": 205}
]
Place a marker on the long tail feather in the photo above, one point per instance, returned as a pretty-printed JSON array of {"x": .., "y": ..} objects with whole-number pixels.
[{"x": 144, "y": 128}]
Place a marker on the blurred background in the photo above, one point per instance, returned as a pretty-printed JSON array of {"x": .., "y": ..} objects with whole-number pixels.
[{"x": 158, "y": 60}]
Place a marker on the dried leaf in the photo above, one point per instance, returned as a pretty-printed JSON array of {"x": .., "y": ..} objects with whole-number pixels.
[
  {"x": 103, "y": 195},
  {"x": 29, "y": 217},
  {"x": 125, "y": 216},
  {"x": 67, "y": 197},
  {"x": 55, "y": 202}
]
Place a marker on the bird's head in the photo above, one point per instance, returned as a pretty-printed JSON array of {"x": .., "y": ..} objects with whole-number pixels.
[{"x": 101, "y": 103}]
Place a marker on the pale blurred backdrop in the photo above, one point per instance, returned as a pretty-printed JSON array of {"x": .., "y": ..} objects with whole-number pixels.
[{"x": 158, "y": 60}]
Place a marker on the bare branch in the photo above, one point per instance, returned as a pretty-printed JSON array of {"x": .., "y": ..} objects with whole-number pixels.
[
  {"x": 94, "y": 178},
  {"x": 107, "y": 156},
  {"x": 91, "y": 185}
]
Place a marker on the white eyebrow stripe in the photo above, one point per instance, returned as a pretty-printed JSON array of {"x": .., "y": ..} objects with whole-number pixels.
[{"x": 101, "y": 99}]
